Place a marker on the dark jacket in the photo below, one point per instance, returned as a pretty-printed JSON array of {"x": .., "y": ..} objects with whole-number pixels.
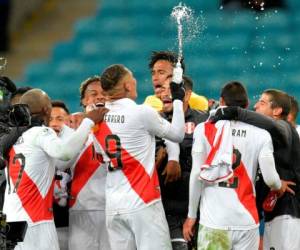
[
  {"x": 175, "y": 195},
  {"x": 287, "y": 160}
]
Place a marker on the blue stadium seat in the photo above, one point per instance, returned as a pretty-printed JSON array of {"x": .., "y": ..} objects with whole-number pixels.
[{"x": 259, "y": 49}]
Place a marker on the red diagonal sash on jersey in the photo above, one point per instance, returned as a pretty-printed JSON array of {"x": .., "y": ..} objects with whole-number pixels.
[
  {"x": 144, "y": 185},
  {"x": 85, "y": 167},
  {"x": 244, "y": 189},
  {"x": 214, "y": 149},
  {"x": 37, "y": 207},
  {"x": 210, "y": 132}
]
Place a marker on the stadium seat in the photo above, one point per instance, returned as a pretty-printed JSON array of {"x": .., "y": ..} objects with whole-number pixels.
[{"x": 259, "y": 49}]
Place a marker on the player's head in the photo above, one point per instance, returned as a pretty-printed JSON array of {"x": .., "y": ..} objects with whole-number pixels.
[
  {"x": 39, "y": 105},
  {"x": 118, "y": 82},
  {"x": 91, "y": 92},
  {"x": 234, "y": 94},
  {"x": 292, "y": 116},
  {"x": 274, "y": 103},
  {"x": 161, "y": 66},
  {"x": 15, "y": 97},
  {"x": 166, "y": 97},
  {"x": 59, "y": 116}
]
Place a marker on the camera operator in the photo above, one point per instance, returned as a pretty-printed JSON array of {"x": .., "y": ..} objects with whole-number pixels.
[{"x": 13, "y": 121}]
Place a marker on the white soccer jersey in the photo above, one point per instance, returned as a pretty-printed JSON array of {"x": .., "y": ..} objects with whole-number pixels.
[
  {"x": 231, "y": 205},
  {"x": 65, "y": 132},
  {"x": 127, "y": 135},
  {"x": 88, "y": 180},
  {"x": 31, "y": 171}
]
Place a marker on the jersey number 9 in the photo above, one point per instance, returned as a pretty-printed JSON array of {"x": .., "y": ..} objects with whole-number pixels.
[{"x": 114, "y": 152}]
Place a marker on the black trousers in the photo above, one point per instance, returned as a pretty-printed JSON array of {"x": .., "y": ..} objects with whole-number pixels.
[{"x": 175, "y": 223}]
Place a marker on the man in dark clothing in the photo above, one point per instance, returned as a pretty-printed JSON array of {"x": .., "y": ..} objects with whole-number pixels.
[
  {"x": 283, "y": 222},
  {"x": 175, "y": 189}
]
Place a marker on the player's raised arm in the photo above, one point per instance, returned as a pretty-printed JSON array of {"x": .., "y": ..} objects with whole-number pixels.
[
  {"x": 68, "y": 148},
  {"x": 173, "y": 131}
]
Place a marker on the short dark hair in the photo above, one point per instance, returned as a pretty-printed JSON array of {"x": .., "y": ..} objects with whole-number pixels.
[
  {"x": 165, "y": 55},
  {"x": 112, "y": 75},
  {"x": 235, "y": 94},
  {"x": 85, "y": 84},
  {"x": 188, "y": 83},
  {"x": 294, "y": 107},
  {"x": 60, "y": 104},
  {"x": 21, "y": 91},
  {"x": 279, "y": 99}
]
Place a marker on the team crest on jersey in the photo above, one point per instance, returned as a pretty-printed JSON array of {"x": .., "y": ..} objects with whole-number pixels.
[{"x": 189, "y": 127}]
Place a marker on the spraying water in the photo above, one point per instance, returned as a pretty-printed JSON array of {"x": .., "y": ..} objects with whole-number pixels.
[{"x": 180, "y": 13}]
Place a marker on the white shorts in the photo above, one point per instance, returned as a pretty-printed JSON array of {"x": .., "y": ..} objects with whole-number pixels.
[
  {"x": 41, "y": 236},
  {"x": 282, "y": 233},
  {"x": 209, "y": 238},
  {"x": 145, "y": 229},
  {"x": 63, "y": 237},
  {"x": 87, "y": 230}
]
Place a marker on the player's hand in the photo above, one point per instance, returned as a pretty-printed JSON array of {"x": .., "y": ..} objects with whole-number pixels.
[
  {"x": 188, "y": 229},
  {"x": 225, "y": 113},
  {"x": 285, "y": 188},
  {"x": 160, "y": 156},
  {"x": 76, "y": 119},
  {"x": 172, "y": 171},
  {"x": 177, "y": 91},
  {"x": 96, "y": 114}
]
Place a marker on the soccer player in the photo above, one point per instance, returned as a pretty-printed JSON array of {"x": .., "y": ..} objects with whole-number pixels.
[
  {"x": 228, "y": 213},
  {"x": 29, "y": 194},
  {"x": 272, "y": 111},
  {"x": 161, "y": 65},
  {"x": 175, "y": 190},
  {"x": 283, "y": 223},
  {"x": 59, "y": 119},
  {"x": 87, "y": 228},
  {"x": 135, "y": 217}
]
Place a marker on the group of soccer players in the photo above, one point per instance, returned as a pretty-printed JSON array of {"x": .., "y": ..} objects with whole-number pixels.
[{"x": 170, "y": 176}]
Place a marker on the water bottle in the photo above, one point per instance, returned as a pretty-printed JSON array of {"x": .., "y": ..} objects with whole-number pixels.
[
  {"x": 270, "y": 201},
  {"x": 177, "y": 73}
]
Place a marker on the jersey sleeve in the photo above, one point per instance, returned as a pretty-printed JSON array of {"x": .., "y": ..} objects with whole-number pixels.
[
  {"x": 173, "y": 150},
  {"x": 156, "y": 125},
  {"x": 64, "y": 149},
  {"x": 199, "y": 157},
  {"x": 267, "y": 163},
  {"x": 198, "y": 139}
]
